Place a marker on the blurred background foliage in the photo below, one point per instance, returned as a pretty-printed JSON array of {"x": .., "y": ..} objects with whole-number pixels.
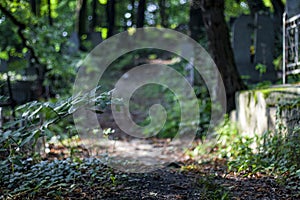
[{"x": 43, "y": 42}]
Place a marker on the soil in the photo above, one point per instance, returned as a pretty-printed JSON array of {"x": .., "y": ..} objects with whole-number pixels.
[{"x": 184, "y": 178}]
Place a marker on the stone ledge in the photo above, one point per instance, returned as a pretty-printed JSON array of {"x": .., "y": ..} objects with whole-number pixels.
[{"x": 256, "y": 109}]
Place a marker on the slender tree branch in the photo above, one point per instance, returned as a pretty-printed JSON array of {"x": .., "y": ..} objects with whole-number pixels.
[
  {"x": 21, "y": 26},
  {"x": 12, "y": 18}
]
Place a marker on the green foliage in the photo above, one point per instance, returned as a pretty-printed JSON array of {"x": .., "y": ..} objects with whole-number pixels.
[
  {"x": 53, "y": 178},
  {"x": 235, "y": 8},
  {"x": 212, "y": 189},
  {"x": 44, "y": 119},
  {"x": 47, "y": 43},
  {"x": 273, "y": 152},
  {"x": 177, "y": 18},
  {"x": 204, "y": 110},
  {"x": 278, "y": 63},
  {"x": 261, "y": 68},
  {"x": 173, "y": 108},
  {"x": 293, "y": 78},
  {"x": 164, "y": 96},
  {"x": 236, "y": 147},
  {"x": 261, "y": 85}
]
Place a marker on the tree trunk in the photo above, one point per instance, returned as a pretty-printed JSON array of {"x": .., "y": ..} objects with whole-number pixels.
[
  {"x": 196, "y": 25},
  {"x": 33, "y": 7},
  {"x": 94, "y": 15},
  {"x": 82, "y": 14},
  {"x": 132, "y": 12},
  {"x": 162, "y": 12},
  {"x": 110, "y": 13},
  {"x": 81, "y": 18},
  {"x": 141, "y": 14},
  {"x": 220, "y": 48},
  {"x": 278, "y": 8},
  {"x": 49, "y": 13}
]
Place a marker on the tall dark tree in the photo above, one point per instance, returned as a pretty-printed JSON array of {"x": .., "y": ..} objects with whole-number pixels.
[
  {"x": 81, "y": 19},
  {"x": 278, "y": 8},
  {"x": 141, "y": 14},
  {"x": 33, "y": 7},
  {"x": 163, "y": 13},
  {"x": 49, "y": 13},
  {"x": 110, "y": 13},
  {"x": 132, "y": 3},
  {"x": 196, "y": 25},
  {"x": 94, "y": 15},
  {"x": 220, "y": 47}
]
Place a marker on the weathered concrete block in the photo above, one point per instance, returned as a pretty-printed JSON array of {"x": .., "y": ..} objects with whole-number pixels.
[{"x": 256, "y": 109}]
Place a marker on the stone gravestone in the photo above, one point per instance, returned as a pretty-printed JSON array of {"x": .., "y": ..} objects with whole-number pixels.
[
  {"x": 242, "y": 31},
  {"x": 256, "y": 35},
  {"x": 264, "y": 46},
  {"x": 292, "y": 8}
]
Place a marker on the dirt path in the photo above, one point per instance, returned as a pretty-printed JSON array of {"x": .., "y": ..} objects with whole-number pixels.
[
  {"x": 60, "y": 177},
  {"x": 183, "y": 178}
]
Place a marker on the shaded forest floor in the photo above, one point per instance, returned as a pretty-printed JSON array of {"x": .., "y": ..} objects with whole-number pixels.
[{"x": 59, "y": 177}]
